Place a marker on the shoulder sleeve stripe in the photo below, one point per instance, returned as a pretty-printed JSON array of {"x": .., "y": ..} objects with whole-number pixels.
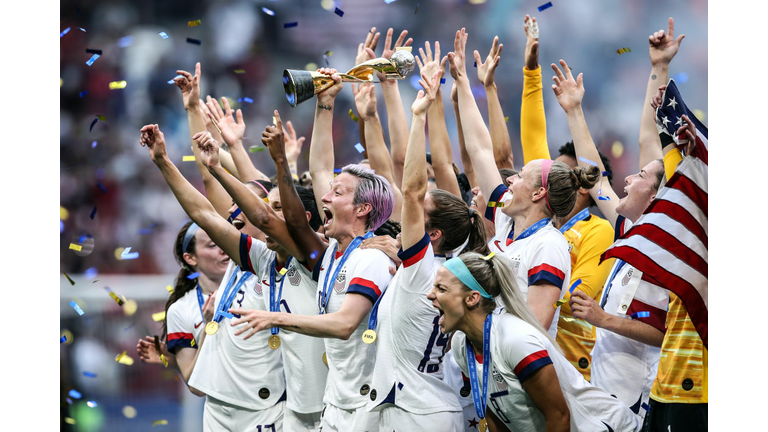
[
  {"x": 365, "y": 283},
  {"x": 657, "y": 317},
  {"x": 546, "y": 273},
  {"x": 364, "y": 287},
  {"x": 318, "y": 267},
  {"x": 415, "y": 253},
  {"x": 180, "y": 340},
  {"x": 532, "y": 363},
  {"x": 619, "y": 228},
  {"x": 490, "y": 212},
  {"x": 245, "y": 257}
]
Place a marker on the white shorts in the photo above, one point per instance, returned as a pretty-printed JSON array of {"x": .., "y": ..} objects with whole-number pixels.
[
  {"x": 294, "y": 421},
  {"x": 335, "y": 419},
  {"x": 221, "y": 416},
  {"x": 396, "y": 419}
]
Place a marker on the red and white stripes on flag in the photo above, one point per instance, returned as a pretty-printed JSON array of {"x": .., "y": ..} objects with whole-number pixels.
[{"x": 669, "y": 242}]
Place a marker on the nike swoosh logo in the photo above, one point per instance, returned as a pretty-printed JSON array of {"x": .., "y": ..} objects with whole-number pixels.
[
  {"x": 496, "y": 242},
  {"x": 198, "y": 324}
]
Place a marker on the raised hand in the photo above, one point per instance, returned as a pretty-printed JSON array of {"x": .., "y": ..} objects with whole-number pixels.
[
  {"x": 148, "y": 352},
  {"x": 425, "y": 97},
  {"x": 371, "y": 40},
  {"x": 429, "y": 64},
  {"x": 292, "y": 145},
  {"x": 209, "y": 149},
  {"x": 189, "y": 86},
  {"x": 365, "y": 100},
  {"x": 532, "y": 43},
  {"x": 329, "y": 94},
  {"x": 232, "y": 130},
  {"x": 386, "y": 244},
  {"x": 153, "y": 138},
  {"x": 663, "y": 46},
  {"x": 689, "y": 129},
  {"x": 658, "y": 98},
  {"x": 485, "y": 71},
  {"x": 569, "y": 92},
  {"x": 456, "y": 58},
  {"x": 274, "y": 139},
  {"x": 389, "y": 50},
  {"x": 455, "y": 93}
]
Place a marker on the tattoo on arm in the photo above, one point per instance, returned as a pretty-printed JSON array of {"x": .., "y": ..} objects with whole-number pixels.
[
  {"x": 653, "y": 77},
  {"x": 325, "y": 107}
]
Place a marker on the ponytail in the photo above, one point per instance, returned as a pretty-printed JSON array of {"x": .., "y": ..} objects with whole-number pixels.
[
  {"x": 451, "y": 215},
  {"x": 563, "y": 184},
  {"x": 182, "y": 284}
]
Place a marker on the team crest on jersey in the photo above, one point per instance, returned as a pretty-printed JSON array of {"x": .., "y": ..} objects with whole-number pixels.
[
  {"x": 515, "y": 263},
  {"x": 570, "y": 246},
  {"x": 341, "y": 281},
  {"x": 293, "y": 276},
  {"x": 499, "y": 380},
  {"x": 257, "y": 287},
  {"x": 627, "y": 277}
]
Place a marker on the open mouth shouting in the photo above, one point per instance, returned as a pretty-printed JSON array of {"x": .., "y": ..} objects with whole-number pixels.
[{"x": 328, "y": 217}]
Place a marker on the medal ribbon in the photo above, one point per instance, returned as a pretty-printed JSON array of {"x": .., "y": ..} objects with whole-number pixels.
[
  {"x": 375, "y": 312},
  {"x": 200, "y": 300},
  {"x": 326, "y": 294},
  {"x": 229, "y": 294},
  {"x": 580, "y": 216},
  {"x": 616, "y": 267},
  {"x": 528, "y": 231},
  {"x": 274, "y": 304},
  {"x": 480, "y": 403}
]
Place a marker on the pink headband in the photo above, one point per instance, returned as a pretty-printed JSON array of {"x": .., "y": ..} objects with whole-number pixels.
[
  {"x": 545, "y": 166},
  {"x": 260, "y": 185}
]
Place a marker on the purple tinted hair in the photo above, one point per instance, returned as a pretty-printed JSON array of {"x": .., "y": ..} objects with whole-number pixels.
[{"x": 375, "y": 190}]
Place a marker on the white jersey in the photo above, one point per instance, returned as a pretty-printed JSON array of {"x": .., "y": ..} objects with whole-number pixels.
[
  {"x": 350, "y": 362},
  {"x": 537, "y": 256},
  {"x": 185, "y": 321},
  {"x": 622, "y": 366},
  {"x": 410, "y": 345},
  {"x": 517, "y": 351},
  {"x": 244, "y": 373},
  {"x": 305, "y": 371}
]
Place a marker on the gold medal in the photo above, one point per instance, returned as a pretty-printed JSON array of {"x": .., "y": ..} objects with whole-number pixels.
[
  {"x": 325, "y": 359},
  {"x": 212, "y": 327},
  {"x": 274, "y": 342},
  {"x": 483, "y": 426},
  {"x": 369, "y": 336}
]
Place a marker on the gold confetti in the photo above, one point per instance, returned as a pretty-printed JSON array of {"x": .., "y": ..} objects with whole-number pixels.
[
  {"x": 405, "y": 48},
  {"x": 76, "y": 247},
  {"x": 274, "y": 121},
  {"x": 116, "y": 298},
  {"x": 165, "y": 362},
  {"x": 560, "y": 303},
  {"x": 192, "y": 343},
  {"x": 194, "y": 23},
  {"x": 256, "y": 149},
  {"x": 159, "y": 422},
  {"x": 170, "y": 289},
  {"x": 129, "y": 411},
  {"x": 130, "y": 307},
  {"x": 310, "y": 66},
  {"x": 116, "y": 85},
  {"x": 69, "y": 420},
  {"x": 159, "y": 316},
  {"x": 495, "y": 204},
  {"x": 119, "y": 253},
  {"x": 239, "y": 71},
  {"x": 188, "y": 158},
  {"x": 63, "y": 213},
  {"x": 101, "y": 117},
  {"x": 124, "y": 358},
  {"x": 623, "y": 50},
  {"x": 353, "y": 116},
  {"x": 69, "y": 279},
  {"x": 283, "y": 271},
  {"x": 617, "y": 149}
]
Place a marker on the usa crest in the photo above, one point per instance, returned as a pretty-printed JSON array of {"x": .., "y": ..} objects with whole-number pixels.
[
  {"x": 500, "y": 383},
  {"x": 257, "y": 287},
  {"x": 627, "y": 277},
  {"x": 293, "y": 276},
  {"x": 341, "y": 281}
]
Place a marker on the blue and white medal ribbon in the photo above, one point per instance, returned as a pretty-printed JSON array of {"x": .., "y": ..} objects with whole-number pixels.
[
  {"x": 369, "y": 336},
  {"x": 481, "y": 403},
  {"x": 325, "y": 295},
  {"x": 227, "y": 297},
  {"x": 274, "y": 303},
  {"x": 580, "y": 216}
]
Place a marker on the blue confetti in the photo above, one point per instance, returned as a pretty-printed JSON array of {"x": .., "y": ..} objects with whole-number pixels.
[
  {"x": 82, "y": 29},
  {"x": 576, "y": 283},
  {"x": 125, "y": 41},
  {"x": 93, "y": 59},
  {"x": 604, "y": 198},
  {"x": 93, "y": 212},
  {"x": 75, "y": 394},
  {"x": 583, "y": 159},
  {"x": 606, "y": 173},
  {"x": 92, "y": 404},
  {"x": 66, "y": 30},
  {"x": 83, "y": 93},
  {"x": 93, "y": 123},
  {"x": 171, "y": 81},
  {"x": 101, "y": 187},
  {"x": 643, "y": 314},
  {"x": 61, "y": 226},
  {"x": 245, "y": 99},
  {"x": 194, "y": 275},
  {"x": 545, "y": 6},
  {"x": 475, "y": 64},
  {"x": 91, "y": 273},
  {"x": 93, "y": 144},
  {"x": 128, "y": 255},
  {"x": 389, "y": 1},
  {"x": 337, "y": 170},
  {"x": 291, "y": 24},
  {"x": 339, "y": 12},
  {"x": 63, "y": 339},
  {"x": 359, "y": 147},
  {"x": 313, "y": 255},
  {"x": 89, "y": 374},
  {"x": 268, "y": 11},
  {"x": 164, "y": 35},
  {"x": 194, "y": 41},
  {"x": 442, "y": 80},
  {"x": 76, "y": 307},
  {"x": 234, "y": 215}
]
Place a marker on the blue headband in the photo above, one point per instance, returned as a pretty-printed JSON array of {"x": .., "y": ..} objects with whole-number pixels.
[
  {"x": 460, "y": 270},
  {"x": 188, "y": 236}
]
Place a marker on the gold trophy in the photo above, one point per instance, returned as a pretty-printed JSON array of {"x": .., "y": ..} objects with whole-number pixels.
[{"x": 301, "y": 85}]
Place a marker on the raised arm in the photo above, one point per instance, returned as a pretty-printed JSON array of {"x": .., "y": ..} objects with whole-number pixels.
[
  {"x": 415, "y": 173},
  {"x": 469, "y": 170},
  {"x": 292, "y": 148},
  {"x": 662, "y": 49},
  {"x": 533, "y": 122},
  {"x": 321, "y": 147},
  {"x": 364, "y": 53},
  {"x": 233, "y": 132},
  {"x": 502, "y": 145},
  {"x": 309, "y": 247},
  {"x": 224, "y": 157},
  {"x": 476, "y": 136},
  {"x": 190, "y": 94},
  {"x": 197, "y": 207},
  {"x": 439, "y": 143},
  {"x": 569, "y": 93}
]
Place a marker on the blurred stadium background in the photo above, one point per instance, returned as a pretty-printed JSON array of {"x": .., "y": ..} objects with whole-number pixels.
[{"x": 105, "y": 168}]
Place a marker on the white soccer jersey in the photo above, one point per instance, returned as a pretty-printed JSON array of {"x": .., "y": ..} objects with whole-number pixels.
[
  {"x": 622, "y": 366},
  {"x": 517, "y": 351},
  {"x": 305, "y": 371},
  {"x": 538, "y": 256},
  {"x": 185, "y": 321},
  {"x": 410, "y": 345},
  {"x": 350, "y": 362},
  {"x": 244, "y": 373}
]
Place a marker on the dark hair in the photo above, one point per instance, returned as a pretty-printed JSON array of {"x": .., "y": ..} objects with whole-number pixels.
[
  {"x": 659, "y": 174},
  {"x": 569, "y": 150},
  {"x": 451, "y": 215},
  {"x": 390, "y": 228},
  {"x": 182, "y": 284},
  {"x": 507, "y": 173},
  {"x": 465, "y": 188},
  {"x": 563, "y": 184},
  {"x": 308, "y": 200},
  {"x": 262, "y": 186}
]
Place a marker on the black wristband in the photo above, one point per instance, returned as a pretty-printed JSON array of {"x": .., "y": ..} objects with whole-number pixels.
[{"x": 665, "y": 140}]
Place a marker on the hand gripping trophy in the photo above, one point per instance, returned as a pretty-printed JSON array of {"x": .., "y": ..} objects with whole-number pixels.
[{"x": 301, "y": 85}]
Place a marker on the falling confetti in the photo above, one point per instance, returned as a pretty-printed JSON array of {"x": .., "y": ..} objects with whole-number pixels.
[
  {"x": 585, "y": 160},
  {"x": 62, "y": 339},
  {"x": 194, "y": 275},
  {"x": 623, "y": 50},
  {"x": 291, "y": 24},
  {"x": 159, "y": 316},
  {"x": 75, "y": 394},
  {"x": 643, "y": 314},
  {"x": 61, "y": 35},
  {"x": 129, "y": 411},
  {"x": 194, "y": 41},
  {"x": 239, "y": 71},
  {"x": 164, "y": 35},
  {"x": 93, "y": 51},
  {"x": 159, "y": 422},
  {"x": 188, "y": 158},
  {"x": 124, "y": 358},
  {"x": 545, "y": 6},
  {"x": 339, "y": 12},
  {"x": 359, "y": 147},
  {"x": 245, "y": 99},
  {"x": 353, "y": 116},
  {"x": 69, "y": 279},
  {"x": 116, "y": 85},
  {"x": 268, "y": 11},
  {"x": 194, "y": 23},
  {"x": 256, "y": 149},
  {"x": 93, "y": 212},
  {"x": 92, "y": 59},
  {"x": 89, "y": 374},
  {"x": 76, "y": 307},
  {"x": 76, "y": 247}
]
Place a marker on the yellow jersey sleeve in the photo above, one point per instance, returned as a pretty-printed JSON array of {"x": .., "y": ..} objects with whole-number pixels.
[
  {"x": 671, "y": 160},
  {"x": 588, "y": 240},
  {"x": 533, "y": 122}
]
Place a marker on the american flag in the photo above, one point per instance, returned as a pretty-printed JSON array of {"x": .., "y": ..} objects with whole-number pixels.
[{"x": 669, "y": 242}]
